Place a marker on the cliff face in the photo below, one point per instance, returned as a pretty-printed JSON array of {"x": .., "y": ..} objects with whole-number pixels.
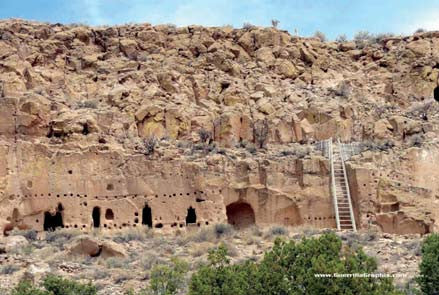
[{"x": 236, "y": 114}]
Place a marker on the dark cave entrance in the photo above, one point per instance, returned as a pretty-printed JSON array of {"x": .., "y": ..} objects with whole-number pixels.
[
  {"x": 147, "y": 216},
  {"x": 96, "y": 214},
  {"x": 191, "y": 216},
  {"x": 109, "y": 215},
  {"x": 240, "y": 215},
  {"x": 436, "y": 93},
  {"x": 51, "y": 222}
]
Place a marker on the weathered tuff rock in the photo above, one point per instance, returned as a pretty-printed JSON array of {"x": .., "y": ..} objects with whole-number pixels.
[
  {"x": 85, "y": 245},
  {"x": 79, "y": 106}
]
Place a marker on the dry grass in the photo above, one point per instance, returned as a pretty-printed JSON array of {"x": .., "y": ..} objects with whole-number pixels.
[
  {"x": 130, "y": 234},
  {"x": 200, "y": 249}
]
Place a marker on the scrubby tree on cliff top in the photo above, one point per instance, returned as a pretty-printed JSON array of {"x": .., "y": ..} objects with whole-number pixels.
[{"x": 290, "y": 268}]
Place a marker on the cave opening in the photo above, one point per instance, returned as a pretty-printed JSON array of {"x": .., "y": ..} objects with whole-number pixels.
[
  {"x": 191, "y": 216},
  {"x": 53, "y": 221},
  {"x": 240, "y": 214},
  {"x": 147, "y": 216},
  {"x": 85, "y": 129},
  {"x": 436, "y": 94},
  {"x": 109, "y": 215},
  {"x": 224, "y": 86},
  {"x": 96, "y": 215}
]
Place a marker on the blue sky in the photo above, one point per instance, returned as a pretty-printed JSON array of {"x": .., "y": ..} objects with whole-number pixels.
[{"x": 333, "y": 17}]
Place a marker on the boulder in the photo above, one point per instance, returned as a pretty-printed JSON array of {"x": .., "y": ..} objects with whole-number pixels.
[
  {"x": 129, "y": 48},
  {"x": 265, "y": 54},
  {"x": 112, "y": 249},
  {"x": 84, "y": 245},
  {"x": 346, "y": 46},
  {"x": 420, "y": 47},
  {"x": 306, "y": 55},
  {"x": 287, "y": 69}
]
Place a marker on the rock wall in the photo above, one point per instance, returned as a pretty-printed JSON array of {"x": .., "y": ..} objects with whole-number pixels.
[
  {"x": 40, "y": 182},
  {"x": 216, "y": 123}
]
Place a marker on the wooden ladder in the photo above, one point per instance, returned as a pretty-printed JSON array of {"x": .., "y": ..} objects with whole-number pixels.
[{"x": 344, "y": 214}]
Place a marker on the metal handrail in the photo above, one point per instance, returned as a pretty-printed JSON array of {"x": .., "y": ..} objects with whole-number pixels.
[
  {"x": 334, "y": 192},
  {"x": 351, "y": 211}
]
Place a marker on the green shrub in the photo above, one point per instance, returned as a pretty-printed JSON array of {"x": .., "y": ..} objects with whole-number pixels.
[
  {"x": 8, "y": 269},
  {"x": 60, "y": 286},
  {"x": 429, "y": 276},
  {"x": 27, "y": 288},
  {"x": 319, "y": 35},
  {"x": 278, "y": 231},
  {"x": 341, "y": 38},
  {"x": 30, "y": 235},
  {"x": 118, "y": 262},
  {"x": 219, "y": 277},
  {"x": 291, "y": 268},
  {"x": 223, "y": 229},
  {"x": 275, "y": 23},
  {"x": 61, "y": 237},
  {"x": 148, "y": 146},
  {"x": 88, "y": 104},
  {"x": 131, "y": 234},
  {"x": 167, "y": 280},
  {"x": 363, "y": 38},
  {"x": 54, "y": 285}
]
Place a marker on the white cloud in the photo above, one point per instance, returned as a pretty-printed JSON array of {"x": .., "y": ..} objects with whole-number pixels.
[
  {"x": 426, "y": 20},
  {"x": 94, "y": 13}
]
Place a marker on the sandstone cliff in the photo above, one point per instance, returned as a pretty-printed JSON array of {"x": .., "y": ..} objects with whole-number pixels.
[{"x": 237, "y": 114}]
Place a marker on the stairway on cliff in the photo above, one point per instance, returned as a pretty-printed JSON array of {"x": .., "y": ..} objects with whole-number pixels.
[{"x": 340, "y": 189}]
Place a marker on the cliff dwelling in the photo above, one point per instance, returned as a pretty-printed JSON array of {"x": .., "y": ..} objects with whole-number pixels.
[
  {"x": 147, "y": 216},
  {"x": 96, "y": 215},
  {"x": 240, "y": 215},
  {"x": 54, "y": 220},
  {"x": 159, "y": 143}
]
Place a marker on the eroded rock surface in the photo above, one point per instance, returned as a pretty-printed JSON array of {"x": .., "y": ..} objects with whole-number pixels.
[{"x": 79, "y": 107}]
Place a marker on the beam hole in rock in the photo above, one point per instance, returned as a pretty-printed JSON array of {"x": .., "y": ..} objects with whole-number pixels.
[
  {"x": 240, "y": 215},
  {"x": 436, "y": 93},
  {"x": 53, "y": 221},
  {"x": 147, "y": 216},
  {"x": 191, "y": 216},
  {"x": 96, "y": 215},
  {"x": 85, "y": 129},
  {"x": 109, "y": 215}
]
